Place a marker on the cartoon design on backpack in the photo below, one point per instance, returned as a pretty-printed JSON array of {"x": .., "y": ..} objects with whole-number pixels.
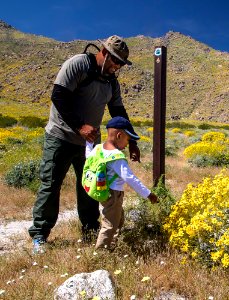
[
  {"x": 88, "y": 178},
  {"x": 94, "y": 180}
]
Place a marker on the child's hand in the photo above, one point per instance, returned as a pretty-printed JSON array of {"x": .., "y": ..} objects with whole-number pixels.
[{"x": 153, "y": 198}]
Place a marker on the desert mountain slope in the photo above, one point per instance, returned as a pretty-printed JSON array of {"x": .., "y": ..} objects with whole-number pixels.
[{"x": 197, "y": 75}]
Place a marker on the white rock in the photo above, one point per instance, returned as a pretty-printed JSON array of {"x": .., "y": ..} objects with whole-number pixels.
[
  {"x": 98, "y": 283},
  {"x": 169, "y": 296}
]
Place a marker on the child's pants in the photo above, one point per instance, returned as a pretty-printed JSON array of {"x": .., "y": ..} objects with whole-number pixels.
[{"x": 112, "y": 219}]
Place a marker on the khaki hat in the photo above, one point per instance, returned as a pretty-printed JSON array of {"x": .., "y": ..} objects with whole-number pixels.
[{"x": 117, "y": 47}]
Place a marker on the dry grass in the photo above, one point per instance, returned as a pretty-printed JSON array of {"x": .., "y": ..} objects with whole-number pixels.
[
  {"x": 179, "y": 173},
  {"x": 165, "y": 267},
  {"x": 62, "y": 260},
  {"x": 15, "y": 204}
]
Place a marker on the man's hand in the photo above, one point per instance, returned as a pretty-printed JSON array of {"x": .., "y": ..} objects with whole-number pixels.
[
  {"x": 153, "y": 198},
  {"x": 88, "y": 132},
  {"x": 134, "y": 151}
]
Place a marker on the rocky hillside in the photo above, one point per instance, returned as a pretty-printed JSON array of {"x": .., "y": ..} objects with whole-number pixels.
[{"x": 197, "y": 75}]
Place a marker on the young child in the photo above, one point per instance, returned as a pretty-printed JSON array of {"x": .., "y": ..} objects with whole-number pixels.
[{"x": 120, "y": 131}]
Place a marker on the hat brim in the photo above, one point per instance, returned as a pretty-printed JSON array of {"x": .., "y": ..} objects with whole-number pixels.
[
  {"x": 134, "y": 136},
  {"x": 126, "y": 62}
]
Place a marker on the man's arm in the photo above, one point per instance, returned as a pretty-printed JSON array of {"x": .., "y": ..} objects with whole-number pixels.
[
  {"x": 116, "y": 108},
  {"x": 115, "y": 105},
  {"x": 118, "y": 111},
  {"x": 62, "y": 98}
]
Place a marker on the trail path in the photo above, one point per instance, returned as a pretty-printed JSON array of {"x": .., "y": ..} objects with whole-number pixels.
[{"x": 15, "y": 234}]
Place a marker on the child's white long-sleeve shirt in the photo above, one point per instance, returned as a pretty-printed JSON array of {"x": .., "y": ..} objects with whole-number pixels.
[
  {"x": 88, "y": 149},
  {"x": 122, "y": 169}
]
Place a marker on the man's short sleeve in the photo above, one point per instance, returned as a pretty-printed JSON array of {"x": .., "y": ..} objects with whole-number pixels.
[{"x": 73, "y": 71}]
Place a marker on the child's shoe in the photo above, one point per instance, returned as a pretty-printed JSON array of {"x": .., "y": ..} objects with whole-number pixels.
[{"x": 39, "y": 245}]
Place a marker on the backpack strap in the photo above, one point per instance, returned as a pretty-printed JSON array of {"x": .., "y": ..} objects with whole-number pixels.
[
  {"x": 93, "y": 73},
  {"x": 112, "y": 179},
  {"x": 110, "y": 158},
  {"x": 90, "y": 45}
]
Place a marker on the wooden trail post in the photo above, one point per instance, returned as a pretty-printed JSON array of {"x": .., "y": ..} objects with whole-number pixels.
[{"x": 160, "y": 55}]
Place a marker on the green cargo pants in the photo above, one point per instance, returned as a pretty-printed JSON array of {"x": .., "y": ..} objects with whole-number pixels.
[{"x": 58, "y": 155}]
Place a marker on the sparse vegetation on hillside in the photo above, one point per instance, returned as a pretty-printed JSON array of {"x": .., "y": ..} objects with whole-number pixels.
[{"x": 197, "y": 75}]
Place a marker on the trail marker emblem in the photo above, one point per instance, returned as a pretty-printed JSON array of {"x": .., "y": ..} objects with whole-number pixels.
[{"x": 157, "y": 52}]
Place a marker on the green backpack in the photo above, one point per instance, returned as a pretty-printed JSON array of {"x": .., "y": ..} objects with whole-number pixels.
[{"x": 94, "y": 179}]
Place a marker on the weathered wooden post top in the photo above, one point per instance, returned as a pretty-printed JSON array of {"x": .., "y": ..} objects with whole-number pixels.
[{"x": 160, "y": 55}]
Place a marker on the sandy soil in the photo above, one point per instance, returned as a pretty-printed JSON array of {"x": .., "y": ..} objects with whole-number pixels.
[{"x": 15, "y": 234}]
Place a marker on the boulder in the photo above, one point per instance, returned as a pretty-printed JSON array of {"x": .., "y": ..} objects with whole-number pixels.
[{"x": 86, "y": 286}]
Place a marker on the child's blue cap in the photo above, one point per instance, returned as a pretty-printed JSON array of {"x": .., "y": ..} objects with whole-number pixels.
[{"x": 122, "y": 123}]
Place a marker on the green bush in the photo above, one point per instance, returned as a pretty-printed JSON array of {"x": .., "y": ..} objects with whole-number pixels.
[
  {"x": 170, "y": 150},
  {"x": 212, "y": 150},
  {"x": 203, "y": 161},
  {"x": 14, "y": 141},
  {"x": 166, "y": 200},
  {"x": 174, "y": 142},
  {"x": 6, "y": 121},
  {"x": 205, "y": 126},
  {"x": 32, "y": 121},
  {"x": 24, "y": 174},
  {"x": 2, "y": 150},
  {"x": 179, "y": 124},
  {"x": 144, "y": 231}
]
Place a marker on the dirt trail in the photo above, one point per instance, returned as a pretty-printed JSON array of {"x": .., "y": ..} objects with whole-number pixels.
[{"x": 14, "y": 234}]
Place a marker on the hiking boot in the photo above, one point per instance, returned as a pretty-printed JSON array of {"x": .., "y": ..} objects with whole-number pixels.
[{"x": 39, "y": 245}]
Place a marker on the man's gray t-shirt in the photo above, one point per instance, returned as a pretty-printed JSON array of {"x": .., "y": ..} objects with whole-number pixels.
[{"x": 89, "y": 100}]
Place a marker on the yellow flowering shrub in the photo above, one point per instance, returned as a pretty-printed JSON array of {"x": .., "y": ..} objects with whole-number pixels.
[
  {"x": 189, "y": 133},
  {"x": 19, "y": 133},
  {"x": 213, "y": 149},
  {"x": 176, "y": 130},
  {"x": 198, "y": 222},
  {"x": 213, "y": 136},
  {"x": 5, "y": 133},
  {"x": 146, "y": 139}
]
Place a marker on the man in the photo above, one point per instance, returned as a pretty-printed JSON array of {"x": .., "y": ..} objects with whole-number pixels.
[{"x": 85, "y": 84}]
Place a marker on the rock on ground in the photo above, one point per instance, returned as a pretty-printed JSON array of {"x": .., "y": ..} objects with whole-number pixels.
[
  {"x": 88, "y": 285},
  {"x": 14, "y": 234}
]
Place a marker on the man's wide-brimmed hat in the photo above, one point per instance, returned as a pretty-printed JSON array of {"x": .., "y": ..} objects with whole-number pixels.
[{"x": 117, "y": 47}]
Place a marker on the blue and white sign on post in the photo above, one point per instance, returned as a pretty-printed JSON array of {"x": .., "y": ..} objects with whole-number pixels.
[{"x": 157, "y": 52}]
